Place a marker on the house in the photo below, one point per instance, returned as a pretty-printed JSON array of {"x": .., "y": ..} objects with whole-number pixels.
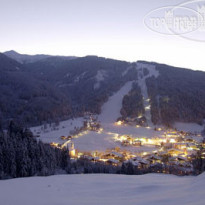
[
  {"x": 174, "y": 152},
  {"x": 113, "y": 162}
]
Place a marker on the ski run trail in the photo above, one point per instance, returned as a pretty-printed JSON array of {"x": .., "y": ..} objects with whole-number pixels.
[
  {"x": 143, "y": 86},
  {"x": 111, "y": 109}
]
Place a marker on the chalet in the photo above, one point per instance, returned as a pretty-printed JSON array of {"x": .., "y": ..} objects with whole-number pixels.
[
  {"x": 139, "y": 162},
  {"x": 154, "y": 159},
  {"x": 113, "y": 162},
  {"x": 174, "y": 152}
]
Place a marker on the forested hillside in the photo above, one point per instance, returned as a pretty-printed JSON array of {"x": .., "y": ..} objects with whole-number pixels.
[
  {"x": 177, "y": 95},
  {"x": 57, "y": 88},
  {"x": 21, "y": 155},
  {"x": 132, "y": 104},
  {"x": 53, "y": 88},
  {"x": 27, "y": 99}
]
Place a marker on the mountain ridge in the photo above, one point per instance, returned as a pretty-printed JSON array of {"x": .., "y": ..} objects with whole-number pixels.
[{"x": 85, "y": 83}]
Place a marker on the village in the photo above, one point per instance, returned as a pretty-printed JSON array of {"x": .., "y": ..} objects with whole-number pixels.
[{"x": 169, "y": 147}]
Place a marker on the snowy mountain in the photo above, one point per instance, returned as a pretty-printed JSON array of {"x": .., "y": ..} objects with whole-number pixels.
[
  {"x": 85, "y": 84},
  {"x": 150, "y": 189}
]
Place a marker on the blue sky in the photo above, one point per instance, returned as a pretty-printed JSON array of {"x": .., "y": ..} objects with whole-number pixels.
[{"x": 109, "y": 28}]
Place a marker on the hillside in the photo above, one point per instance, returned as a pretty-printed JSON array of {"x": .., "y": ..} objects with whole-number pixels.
[
  {"x": 177, "y": 95},
  {"x": 57, "y": 88},
  {"x": 98, "y": 189},
  {"x": 27, "y": 99},
  {"x": 53, "y": 88}
]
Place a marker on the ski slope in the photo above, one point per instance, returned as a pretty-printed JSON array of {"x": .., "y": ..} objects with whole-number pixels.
[
  {"x": 111, "y": 109},
  {"x": 96, "y": 189},
  {"x": 143, "y": 86}
]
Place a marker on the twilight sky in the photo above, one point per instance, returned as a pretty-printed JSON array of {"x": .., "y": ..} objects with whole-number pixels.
[{"x": 108, "y": 28}]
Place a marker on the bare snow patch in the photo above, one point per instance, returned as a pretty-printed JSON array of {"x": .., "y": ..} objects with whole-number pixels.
[{"x": 188, "y": 127}]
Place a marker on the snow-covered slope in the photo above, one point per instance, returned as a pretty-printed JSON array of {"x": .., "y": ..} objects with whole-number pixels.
[
  {"x": 111, "y": 109},
  {"x": 64, "y": 128},
  {"x": 150, "y": 189},
  {"x": 143, "y": 86}
]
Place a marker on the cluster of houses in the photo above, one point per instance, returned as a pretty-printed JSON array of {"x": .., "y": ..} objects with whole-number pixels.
[
  {"x": 91, "y": 122},
  {"x": 170, "y": 148},
  {"x": 139, "y": 121},
  {"x": 141, "y": 161},
  {"x": 173, "y": 148}
]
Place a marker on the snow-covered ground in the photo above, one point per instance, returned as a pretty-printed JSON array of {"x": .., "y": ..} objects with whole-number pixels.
[
  {"x": 111, "y": 109},
  {"x": 150, "y": 189},
  {"x": 49, "y": 135},
  {"x": 188, "y": 127}
]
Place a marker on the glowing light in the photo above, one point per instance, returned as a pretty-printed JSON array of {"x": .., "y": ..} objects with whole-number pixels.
[
  {"x": 172, "y": 140},
  {"x": 118, "y": 123}
]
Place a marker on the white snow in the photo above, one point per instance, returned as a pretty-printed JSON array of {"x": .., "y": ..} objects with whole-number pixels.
[
  {"x": 49, "y": 135},
  {"x": 96, "y": 189},
  {"x": 188, "y": 127},
  {"x": 91, "y": 141},
  {"x": 99, "y": 78},
  {"x": 111, "y": 109}
]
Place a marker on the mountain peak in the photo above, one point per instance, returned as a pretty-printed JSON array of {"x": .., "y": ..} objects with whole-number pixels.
[{"x": 11, "y": 51}]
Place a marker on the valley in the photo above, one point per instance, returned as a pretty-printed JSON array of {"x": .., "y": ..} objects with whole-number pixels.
[{"x": 104, "y": 138}]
